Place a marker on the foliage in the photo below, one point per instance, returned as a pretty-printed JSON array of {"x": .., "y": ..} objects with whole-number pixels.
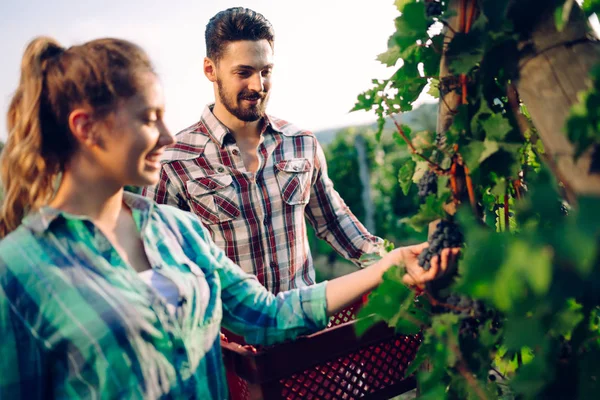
[
  {"x": 583, "y": 126},
  {"x": 534, "y": 268},
  {"x": 384, "y": 158}
]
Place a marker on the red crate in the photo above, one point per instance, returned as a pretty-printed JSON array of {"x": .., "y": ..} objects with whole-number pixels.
[{"x": 331, "y": 364}]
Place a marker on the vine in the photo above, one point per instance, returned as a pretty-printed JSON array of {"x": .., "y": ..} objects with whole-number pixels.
[{"x": 520, "y": 318}]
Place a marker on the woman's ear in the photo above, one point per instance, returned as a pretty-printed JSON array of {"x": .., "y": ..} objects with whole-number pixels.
[{"x": 81, "y": 126}]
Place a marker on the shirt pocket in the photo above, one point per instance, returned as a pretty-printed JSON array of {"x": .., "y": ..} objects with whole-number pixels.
[
  {"x": 214, "y": 198},
  {"x": 293, "y": 177}
]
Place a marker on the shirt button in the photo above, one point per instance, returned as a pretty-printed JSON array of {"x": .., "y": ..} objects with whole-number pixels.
[
  {"x": 220, "y": 169},
  {"x": 236, "y": 152}
]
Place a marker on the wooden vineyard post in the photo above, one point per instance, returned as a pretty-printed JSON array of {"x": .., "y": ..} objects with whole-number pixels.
[{"x": 551, "y": 76}]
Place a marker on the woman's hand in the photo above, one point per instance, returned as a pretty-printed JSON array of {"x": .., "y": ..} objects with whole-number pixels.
[
  {"x": 415, "y": 274},
  {"x": 347, "y": 289}
]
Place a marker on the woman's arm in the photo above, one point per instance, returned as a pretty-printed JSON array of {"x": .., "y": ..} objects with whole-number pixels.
[{"x": 264, "y": 318}]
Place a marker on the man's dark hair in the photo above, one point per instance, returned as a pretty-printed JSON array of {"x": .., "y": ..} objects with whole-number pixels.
[{"x": 233, "y": 24}]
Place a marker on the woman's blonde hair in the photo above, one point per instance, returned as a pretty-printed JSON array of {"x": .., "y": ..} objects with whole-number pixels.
[{"x": 54, "y": 81}]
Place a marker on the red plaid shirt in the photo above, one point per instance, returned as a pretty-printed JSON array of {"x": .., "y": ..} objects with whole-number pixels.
[{"x": 258, "y": 219}]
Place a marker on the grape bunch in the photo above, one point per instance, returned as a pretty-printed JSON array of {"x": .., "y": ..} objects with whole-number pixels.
[
  {"x": 427, "y": 184},
  {"x": 474, "y": 314},
  {"x": 446, "y": 235},
  {"x": 433, "y": 8}
]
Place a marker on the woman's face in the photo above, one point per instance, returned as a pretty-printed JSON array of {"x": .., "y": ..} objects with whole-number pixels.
[{"x": 132, "y": 142}]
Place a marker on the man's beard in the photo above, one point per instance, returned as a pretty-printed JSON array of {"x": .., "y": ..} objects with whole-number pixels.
[{"x": 252, "y": 113}]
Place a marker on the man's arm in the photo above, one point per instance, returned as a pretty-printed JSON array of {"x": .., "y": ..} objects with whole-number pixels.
[
  {"x": 332, "y": 219},
  {"x": 167, "y": 191}
]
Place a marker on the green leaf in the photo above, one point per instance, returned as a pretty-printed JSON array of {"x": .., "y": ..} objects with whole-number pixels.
[
  {"x": 401, "y": 3},
  {"x": 405, "y": 175},
  {"x": 489, "y": 148},
  {"x": 496, "y": 127},
  {"x": 430, "y": 211},
  {"x": 526, "y": 266},
  {"x": 591, "y": 7},
  {"x": 443, "y": 188},
  {"x": 411, "y": 26},
  {"x": 532, "y": 377},
  {"x": 392, "y": 302},
  {"x": 434, "y": 88},
  {"x": 523, "y": 332},
  {"x": 390, "y": 57},
  {"x": 495, "y": 12},
  {"x": 481, "y": 115},
  {"x": 472, "y": 153},
  {"x": 421, "y": 356},
  {"x": 565, "y": 320},
  {"x": 422, "y": 167},
  {"x": 431, "y": 56},
  {"x": 482, "y": 258},
  {"x": 465, "y": 51}
]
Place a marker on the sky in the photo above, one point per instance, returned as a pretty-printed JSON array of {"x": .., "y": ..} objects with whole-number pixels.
[{"x": 325, "y": 50}]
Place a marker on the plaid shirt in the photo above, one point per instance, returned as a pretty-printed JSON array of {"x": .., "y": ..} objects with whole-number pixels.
[
  {"x": 258, "y": 219},
  {"x": 77, "y": 322}
]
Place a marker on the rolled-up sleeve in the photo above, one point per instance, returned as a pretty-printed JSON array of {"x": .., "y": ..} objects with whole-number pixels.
[{"x": 332, "y": 219}]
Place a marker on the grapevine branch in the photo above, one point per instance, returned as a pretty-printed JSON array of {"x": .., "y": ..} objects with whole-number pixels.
[
  {"x": 466, "y": 14},
  {"x": 517, "y": 187},
  {"x": 436, "y": 167},
  {"x": 461, "y": 366}
]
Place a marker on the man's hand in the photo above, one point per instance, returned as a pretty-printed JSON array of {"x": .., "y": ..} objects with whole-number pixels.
[{"x": 415, "y": 274}]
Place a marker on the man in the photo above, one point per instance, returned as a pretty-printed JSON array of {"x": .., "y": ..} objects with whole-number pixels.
[{"x": 253, "y": 178}]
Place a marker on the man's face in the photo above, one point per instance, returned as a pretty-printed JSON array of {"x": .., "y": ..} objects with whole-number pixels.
[{"x": 243, "y": 78}]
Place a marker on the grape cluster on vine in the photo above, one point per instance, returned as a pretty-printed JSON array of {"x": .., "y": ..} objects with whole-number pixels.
[
  {"x": 475, "y": 314},
  {"x": 433, "y": 8},
  {"x": 446, "y": 235},
  {"x": 427, "y": 184}
]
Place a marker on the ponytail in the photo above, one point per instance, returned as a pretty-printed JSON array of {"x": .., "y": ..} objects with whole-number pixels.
[
  {"x": 28, "y": 177},
  {"x": 54, "y": 81}
]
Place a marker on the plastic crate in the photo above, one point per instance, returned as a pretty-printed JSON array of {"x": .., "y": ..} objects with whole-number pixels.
[{"x": 331, "y": 364}]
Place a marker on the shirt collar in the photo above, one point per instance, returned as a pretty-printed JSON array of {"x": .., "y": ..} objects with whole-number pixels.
[
  {"x": 41, "y": 220},
  {"x": 220, "y": 134}
]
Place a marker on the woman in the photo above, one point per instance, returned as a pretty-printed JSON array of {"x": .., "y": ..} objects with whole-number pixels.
[{"x": 105, "y": 294}]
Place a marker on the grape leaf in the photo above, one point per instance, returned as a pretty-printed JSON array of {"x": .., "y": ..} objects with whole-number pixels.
[
  {"x": 405, "y": 175},
  {"x": 496, "y": 127}
]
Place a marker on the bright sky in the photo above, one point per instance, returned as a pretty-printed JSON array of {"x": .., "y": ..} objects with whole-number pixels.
[{"x": 324, "y": 49}]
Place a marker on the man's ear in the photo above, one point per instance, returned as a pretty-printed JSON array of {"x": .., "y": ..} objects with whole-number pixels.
[
  {"x": 210, "y": 69},
  {"x": 81, "y": 126}
]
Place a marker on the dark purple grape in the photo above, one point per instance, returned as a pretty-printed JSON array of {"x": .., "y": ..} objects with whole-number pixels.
[
  {"x": 433, "y": 8},
  {"x": 446, "y": 235},
  {"x": 427, "y": 184}
]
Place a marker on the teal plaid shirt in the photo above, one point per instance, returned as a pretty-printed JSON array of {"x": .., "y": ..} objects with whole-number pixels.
[{"x": 77, "y": 322}]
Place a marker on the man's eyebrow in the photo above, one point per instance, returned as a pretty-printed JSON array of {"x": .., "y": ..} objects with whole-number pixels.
[
  {"x": 149, "y": 109},
  {"x": 251, "y": 68}
]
